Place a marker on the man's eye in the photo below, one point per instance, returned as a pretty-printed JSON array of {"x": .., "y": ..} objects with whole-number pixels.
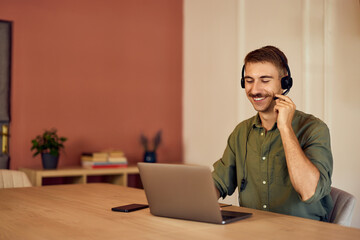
[
  {"x": 265, "y": 80},
  {"x": 249, "y": 80}
]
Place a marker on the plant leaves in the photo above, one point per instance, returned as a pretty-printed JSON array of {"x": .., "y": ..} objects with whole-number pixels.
[{"x": 49, "y": 141}]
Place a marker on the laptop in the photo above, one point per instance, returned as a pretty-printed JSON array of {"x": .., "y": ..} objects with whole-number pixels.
[{"x": 184, "y": 192}]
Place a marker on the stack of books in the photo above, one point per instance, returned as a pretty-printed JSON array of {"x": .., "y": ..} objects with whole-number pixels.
[
  {"x": 106, "y": 159},
  {"x": 116, "y": 156}
]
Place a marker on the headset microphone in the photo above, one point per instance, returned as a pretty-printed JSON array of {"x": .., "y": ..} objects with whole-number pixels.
[{"x": 284, "y": 93}]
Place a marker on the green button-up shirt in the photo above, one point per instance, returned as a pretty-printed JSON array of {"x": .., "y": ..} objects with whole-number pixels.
[{"x": 268, "y": 183}]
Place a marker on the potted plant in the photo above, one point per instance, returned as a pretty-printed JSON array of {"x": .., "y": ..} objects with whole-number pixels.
[
  {"x": 48, "y": 145},
  {"x": 150, "y": 151}
]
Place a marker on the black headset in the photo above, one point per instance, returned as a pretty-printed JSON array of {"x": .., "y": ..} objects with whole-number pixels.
[{"x": 286, "y": 82}]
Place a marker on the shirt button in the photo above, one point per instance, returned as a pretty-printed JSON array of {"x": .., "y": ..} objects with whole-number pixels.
[
  {"x": 264, "y": 206},
  {"x": 264, "y": 182},
  {"x": 263, "y": 158}
]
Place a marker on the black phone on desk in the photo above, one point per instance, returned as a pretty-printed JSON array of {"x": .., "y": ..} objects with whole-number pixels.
[{"x": 129, "y": 207}]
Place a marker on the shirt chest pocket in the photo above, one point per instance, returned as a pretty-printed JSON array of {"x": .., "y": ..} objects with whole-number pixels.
[{"x": 280, "y": 170}]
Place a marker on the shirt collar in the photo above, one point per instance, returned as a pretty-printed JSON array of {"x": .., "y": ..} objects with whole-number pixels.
[{"x": 257, "y": 123}]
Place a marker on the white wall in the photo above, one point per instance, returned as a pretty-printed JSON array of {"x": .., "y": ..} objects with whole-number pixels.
[
  {"x": 322, "y": 42},
  {"x": 342, "y": 94},
  {"x": 210, "y": 78}
]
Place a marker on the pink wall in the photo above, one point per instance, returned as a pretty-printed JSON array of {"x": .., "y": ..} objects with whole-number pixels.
[{"x": 101, "y": 72}]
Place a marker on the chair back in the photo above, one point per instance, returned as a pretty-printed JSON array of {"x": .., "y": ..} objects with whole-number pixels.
[
  {"x": 344, "y": 204},
  {"x": 12, "y": 179}
]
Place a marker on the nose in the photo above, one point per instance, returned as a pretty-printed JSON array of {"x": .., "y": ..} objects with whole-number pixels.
[{"x": 255, "y": 88}]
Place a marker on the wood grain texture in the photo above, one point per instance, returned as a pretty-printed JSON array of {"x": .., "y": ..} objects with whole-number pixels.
[{"x": 82, "y": 211}]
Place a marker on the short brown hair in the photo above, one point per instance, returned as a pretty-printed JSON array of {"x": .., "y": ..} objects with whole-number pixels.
[{"x": 268, "y": 54}]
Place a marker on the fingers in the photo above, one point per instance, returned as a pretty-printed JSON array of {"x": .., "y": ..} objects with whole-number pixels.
[
  {"x": 285, "y": 108},
  {"x": 283, "y": 98},
  {"x": 284, "y": 101}
]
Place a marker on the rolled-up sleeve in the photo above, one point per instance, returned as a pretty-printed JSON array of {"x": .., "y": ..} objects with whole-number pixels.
[
  {"x": 318, "y": 150},
  {"x": 224, "y": 173}
]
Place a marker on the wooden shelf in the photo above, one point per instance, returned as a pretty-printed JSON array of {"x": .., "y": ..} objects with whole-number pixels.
[{"x": 79, "y": 175}]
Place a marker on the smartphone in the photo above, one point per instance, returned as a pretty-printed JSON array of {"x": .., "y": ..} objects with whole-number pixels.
[{"x": 129, "y": 207}]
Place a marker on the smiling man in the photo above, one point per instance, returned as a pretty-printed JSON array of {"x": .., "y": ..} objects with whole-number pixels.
[{"x": 280, "y": 160}]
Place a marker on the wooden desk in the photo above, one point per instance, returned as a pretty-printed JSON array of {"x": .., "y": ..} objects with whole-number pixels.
[
  {"x": 82, "y": 211},
  {"x": 79, "y": 174}
]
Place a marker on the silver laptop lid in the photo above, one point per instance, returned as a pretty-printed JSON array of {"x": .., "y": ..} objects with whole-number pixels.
[{"x": 180, "y": 191}]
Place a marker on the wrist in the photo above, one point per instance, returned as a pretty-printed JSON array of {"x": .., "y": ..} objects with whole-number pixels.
[{"x": 285, "y": 128}]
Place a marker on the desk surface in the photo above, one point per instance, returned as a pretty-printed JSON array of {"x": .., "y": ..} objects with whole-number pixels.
[{"x": 83, "y": 212}]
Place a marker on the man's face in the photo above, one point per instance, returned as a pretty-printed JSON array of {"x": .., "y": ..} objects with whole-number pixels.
[{"x": 262, "y": 82}]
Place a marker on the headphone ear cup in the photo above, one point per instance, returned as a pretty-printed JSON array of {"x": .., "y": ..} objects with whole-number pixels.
[
  {"x": 242, "y": 82},
  {"x": 290, "y": 84},
  {"x": 286, "y": 82}
]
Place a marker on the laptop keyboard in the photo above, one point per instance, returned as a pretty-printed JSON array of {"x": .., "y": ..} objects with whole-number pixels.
[{"x": 227, "y": 217}]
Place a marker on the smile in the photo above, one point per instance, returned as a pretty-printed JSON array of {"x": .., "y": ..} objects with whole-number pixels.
[{"x": 256, "y": 99}]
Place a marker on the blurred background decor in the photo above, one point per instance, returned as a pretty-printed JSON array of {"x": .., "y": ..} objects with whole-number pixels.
[
  {"x": 150, "y": 147},
  {"x": 48, "y": 145}
]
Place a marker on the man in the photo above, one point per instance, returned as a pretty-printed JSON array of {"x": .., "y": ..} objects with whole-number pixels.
[{"x": 280, "y": 160}]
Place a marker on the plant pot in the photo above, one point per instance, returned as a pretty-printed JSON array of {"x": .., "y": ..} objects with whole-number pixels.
[
  {"x": 150, "y": 157},
  {"x": 49, "y": 161}
]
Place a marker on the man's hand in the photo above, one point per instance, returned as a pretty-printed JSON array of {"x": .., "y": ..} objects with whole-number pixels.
[
  {"x": 285, "y": 108},
  {"x": 217, "y": 193}
]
